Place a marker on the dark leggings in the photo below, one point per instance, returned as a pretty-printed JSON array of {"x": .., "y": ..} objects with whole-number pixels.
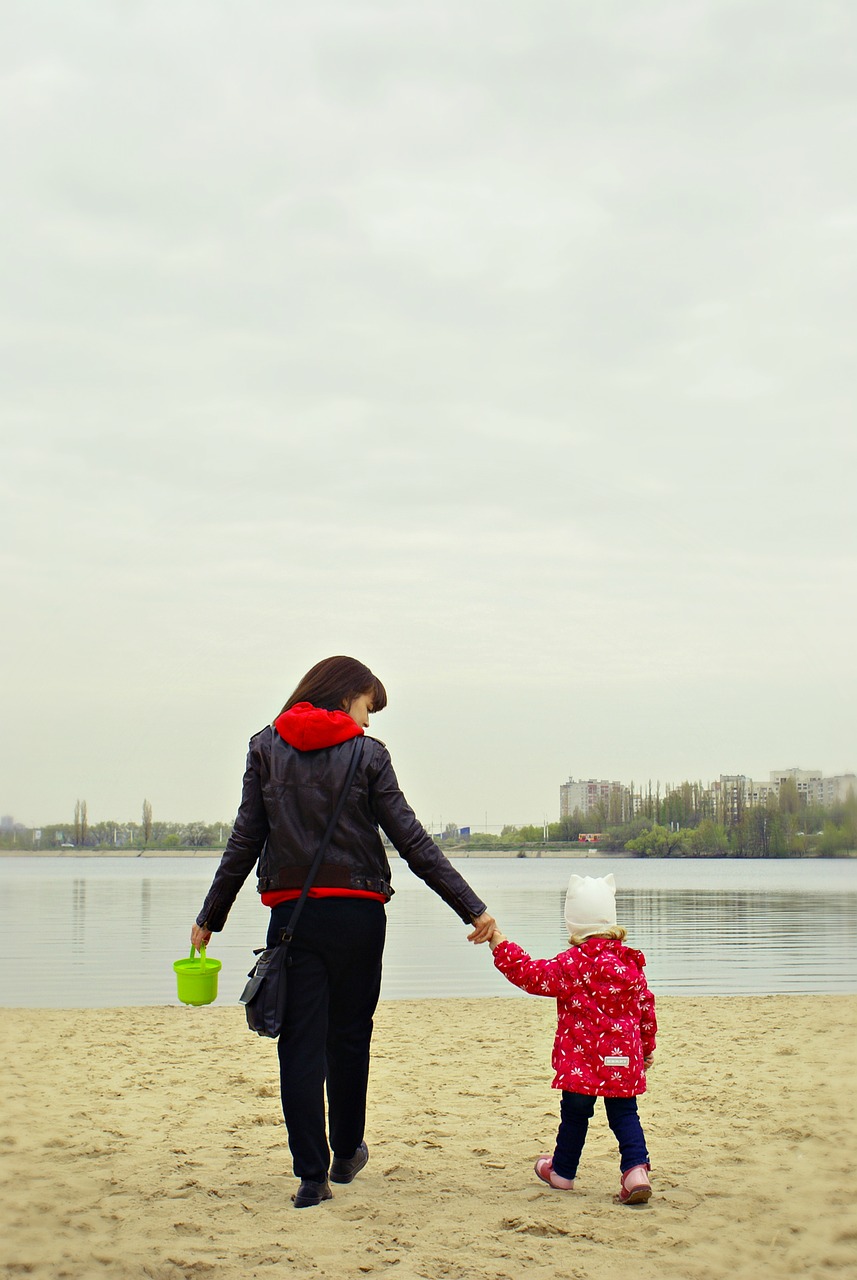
[
  {"x": 334, "y": 980},
  {"x": 576, "y": 1110}
]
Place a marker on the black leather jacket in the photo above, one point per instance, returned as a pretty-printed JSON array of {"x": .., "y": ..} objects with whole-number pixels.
[{"x": 285, "y": 809}]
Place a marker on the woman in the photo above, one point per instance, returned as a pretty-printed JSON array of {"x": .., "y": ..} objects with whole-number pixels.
[{"x": 295, "y": 772}]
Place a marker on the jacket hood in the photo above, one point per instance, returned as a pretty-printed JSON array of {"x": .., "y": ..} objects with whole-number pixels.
[
  {"x": 634, "y": 960},
  {"x": 310, "y": 728}
]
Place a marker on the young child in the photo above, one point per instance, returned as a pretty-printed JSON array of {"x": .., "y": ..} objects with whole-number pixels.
[{"x": 605, "y": 1037}]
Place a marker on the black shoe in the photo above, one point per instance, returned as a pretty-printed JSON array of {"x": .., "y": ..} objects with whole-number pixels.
[
  {"x": 347, "y": 1170},
  {"x": 310, "y": 1193}
]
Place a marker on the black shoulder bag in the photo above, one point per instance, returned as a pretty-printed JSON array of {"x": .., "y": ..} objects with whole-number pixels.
[{"x": 264, "y": 997}]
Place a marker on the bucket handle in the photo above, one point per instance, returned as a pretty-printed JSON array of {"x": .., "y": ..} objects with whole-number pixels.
[{"x": 201, "y": 954}]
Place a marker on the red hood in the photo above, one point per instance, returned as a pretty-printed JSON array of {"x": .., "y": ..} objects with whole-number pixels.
[
  {"x": 308, "y": 728},
  {"x": 628, "y": 955}
]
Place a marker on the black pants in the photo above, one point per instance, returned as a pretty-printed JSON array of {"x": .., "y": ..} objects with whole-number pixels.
[
  {"x": 334, "y": 980},
  {"x": 576, "y": 1110}
]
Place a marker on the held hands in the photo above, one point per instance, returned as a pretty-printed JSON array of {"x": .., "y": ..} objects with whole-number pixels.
[
  {"x": 199, "y": 937},
  {"x": 483, "y": 927},
  {"x": 486, "y": 931}
]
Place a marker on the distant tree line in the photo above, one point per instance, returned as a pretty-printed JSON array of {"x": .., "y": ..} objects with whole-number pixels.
[
  {"x": 80, "y": 833},
  {"x": 686, "y": 823}
]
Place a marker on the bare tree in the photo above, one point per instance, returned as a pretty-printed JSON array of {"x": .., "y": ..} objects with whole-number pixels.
[{"x": 84, "y": 825}]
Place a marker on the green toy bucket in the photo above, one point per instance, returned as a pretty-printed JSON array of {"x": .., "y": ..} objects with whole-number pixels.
[{"x": 197, "y": 978}]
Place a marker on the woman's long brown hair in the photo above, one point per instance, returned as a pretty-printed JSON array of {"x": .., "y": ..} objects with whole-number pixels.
[{"x": 334, "y": 683}]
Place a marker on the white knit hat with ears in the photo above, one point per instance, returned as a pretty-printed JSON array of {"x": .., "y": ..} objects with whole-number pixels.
[{"x": 590, "y": 905}]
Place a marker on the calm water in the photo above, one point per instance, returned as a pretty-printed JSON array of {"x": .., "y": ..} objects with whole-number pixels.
[{"x": 88, "y": 932}]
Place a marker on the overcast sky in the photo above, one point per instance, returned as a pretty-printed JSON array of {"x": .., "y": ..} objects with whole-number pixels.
[{"x": 507, "y": 347}]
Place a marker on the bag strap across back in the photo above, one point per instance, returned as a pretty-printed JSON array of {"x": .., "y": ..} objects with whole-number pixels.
[{"x": 288, "y": 933}]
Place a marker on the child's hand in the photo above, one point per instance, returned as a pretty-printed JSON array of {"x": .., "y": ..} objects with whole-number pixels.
[
  {"x": 496, "y": 938},
  {"x": 649, "y": 1059}
]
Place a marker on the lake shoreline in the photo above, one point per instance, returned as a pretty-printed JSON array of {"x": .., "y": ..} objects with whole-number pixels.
[{"x": 533, "y": 854}]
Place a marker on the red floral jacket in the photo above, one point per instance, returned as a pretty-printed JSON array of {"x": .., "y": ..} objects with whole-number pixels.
[{"x": 605, "y": 1013}]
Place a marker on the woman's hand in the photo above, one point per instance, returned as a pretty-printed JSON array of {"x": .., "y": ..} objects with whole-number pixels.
[
  {"x": 483, "y": 927},
  {"x": 199, "y": 937}
]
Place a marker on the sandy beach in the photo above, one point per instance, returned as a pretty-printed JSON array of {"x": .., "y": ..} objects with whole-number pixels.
[{"x": 149, "y": 1143}]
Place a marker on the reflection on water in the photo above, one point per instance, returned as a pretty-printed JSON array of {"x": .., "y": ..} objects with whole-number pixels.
[
  {"x": 78, "y": 914},
  {"x": 695, "y": 942},
  {"x": 103, "y": 932},
  {"x": 145, "y": 909},
  {"x": 773, "y": 942}
]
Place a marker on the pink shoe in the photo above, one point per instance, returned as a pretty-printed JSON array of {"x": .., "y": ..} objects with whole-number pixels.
[
  {"x": 636, "y": 1188},
  {"x": 544, "y": 1170}
]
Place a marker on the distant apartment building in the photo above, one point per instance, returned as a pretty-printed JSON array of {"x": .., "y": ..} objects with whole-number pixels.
[
  {"x": 730, "y": 794},
  {"x": 835, "y": 790},
  {"x": 584, "y": 796},
  {"x": 806, "y": 781},
  {"x": 811, "y": 785},
  {"x": 735, "y": 791},
  {"x": 581, "y": 796},
  {"x": 760, "y": 791},
  {"x": 814, "y": 788}
]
